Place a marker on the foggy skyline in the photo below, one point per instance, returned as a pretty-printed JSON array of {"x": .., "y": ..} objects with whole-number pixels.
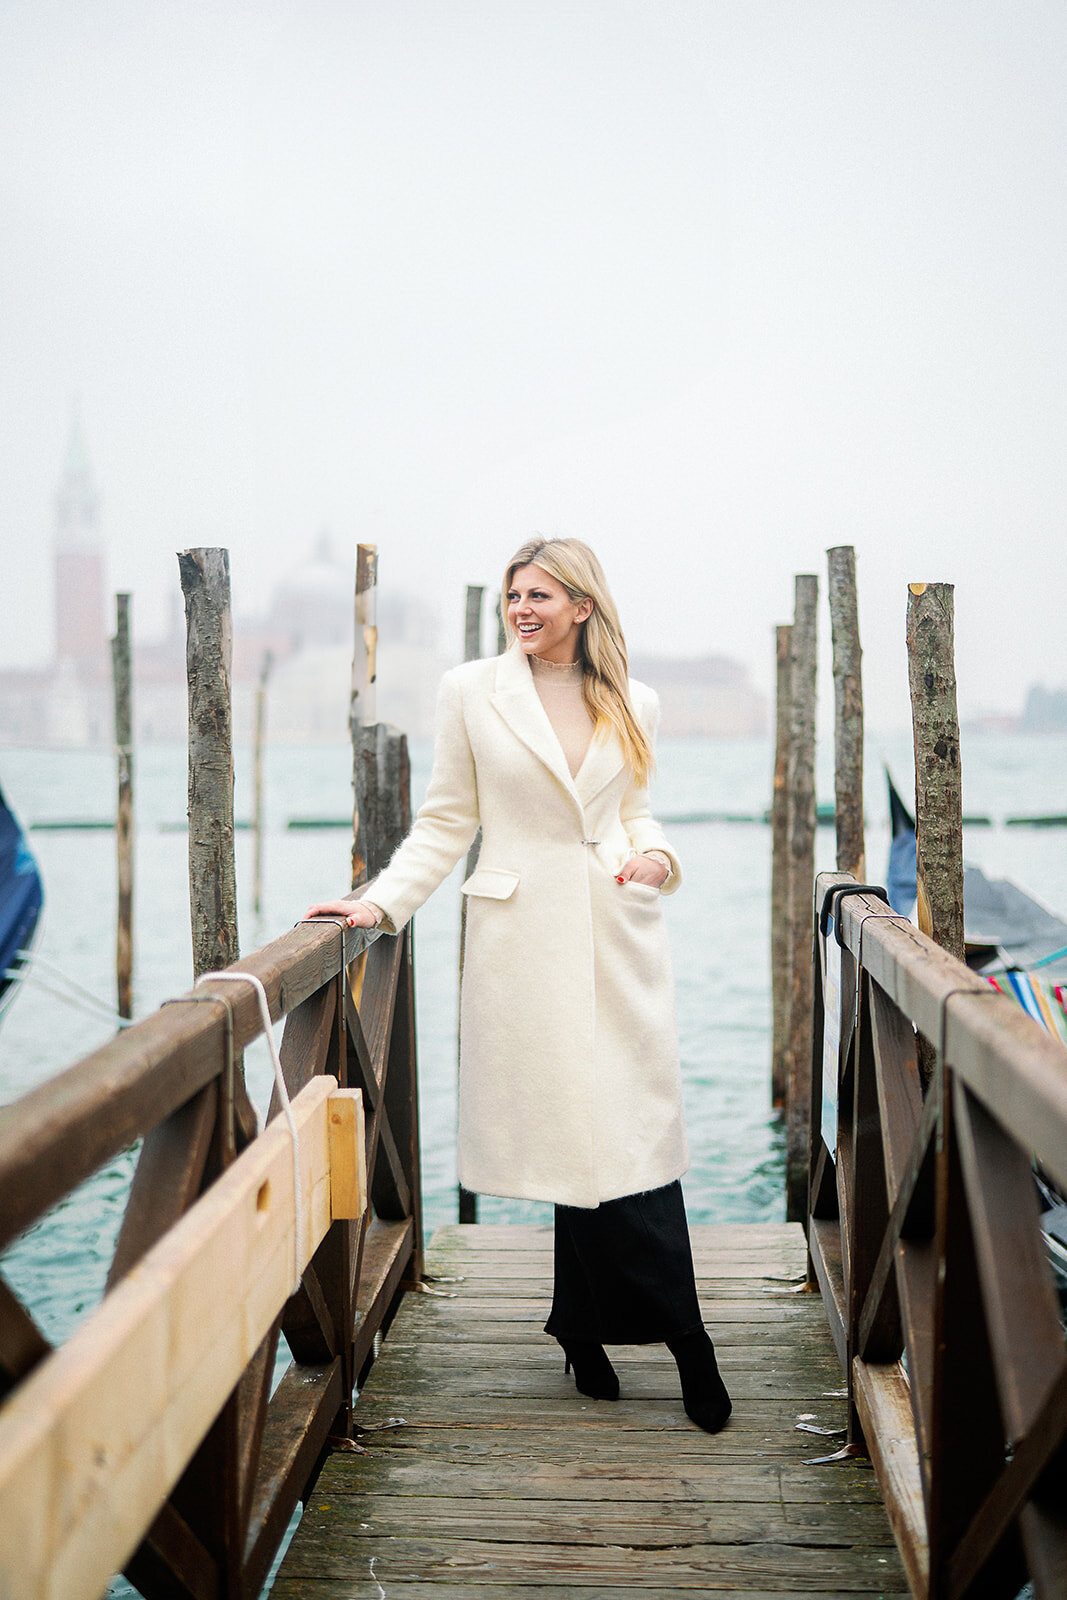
[{"x": 712, "y": 285}]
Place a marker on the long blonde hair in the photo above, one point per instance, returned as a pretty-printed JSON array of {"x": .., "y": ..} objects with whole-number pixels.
[{"x": 605, "y": 679}]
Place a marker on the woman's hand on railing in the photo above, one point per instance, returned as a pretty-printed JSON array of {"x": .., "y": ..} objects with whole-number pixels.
[{"x": 357, "y": 913}]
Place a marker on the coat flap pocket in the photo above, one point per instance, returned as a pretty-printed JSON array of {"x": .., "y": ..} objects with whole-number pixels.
[{"x": 491, "y": 883}]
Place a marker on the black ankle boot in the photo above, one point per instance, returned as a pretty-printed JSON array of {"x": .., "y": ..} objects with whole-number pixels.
[
  {"x": 594, "y": 1374},
  {"x": 703, "y": 1391}
]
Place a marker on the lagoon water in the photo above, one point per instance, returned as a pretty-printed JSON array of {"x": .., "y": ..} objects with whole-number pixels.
[{"x": 719, "y": 923}]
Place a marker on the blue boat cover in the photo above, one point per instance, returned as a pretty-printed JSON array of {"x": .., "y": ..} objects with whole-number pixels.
[
  {"x": 21, "y": 894},
  {"x": 900, "y": 874}
]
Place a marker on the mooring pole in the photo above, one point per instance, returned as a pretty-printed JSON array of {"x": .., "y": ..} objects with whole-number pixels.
[
  {"x": 257, "y": 782},
  {"x": 848, "y": 712},
  {"x": 938, "y": 783},
  {"x": 362, "y": 709},
  {"x": 472, "y": 649},
  {"x": 801, "y": 884},
  {"x": 205, "y": 578},
  {"x": 122, "y": 679},
  {"x": 781, "y": 977}
]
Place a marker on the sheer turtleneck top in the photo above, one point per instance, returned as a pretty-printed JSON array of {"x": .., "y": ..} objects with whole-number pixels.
[{"x": 559, "y": 689}]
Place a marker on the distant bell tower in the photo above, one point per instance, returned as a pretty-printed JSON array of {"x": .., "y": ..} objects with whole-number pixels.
[{"x": 81, "y": 627}]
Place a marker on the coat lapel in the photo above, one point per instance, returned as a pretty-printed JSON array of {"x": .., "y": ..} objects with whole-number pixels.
[
  {"x": 604, "y": 760},
  {"x": 517, "y": 701}
]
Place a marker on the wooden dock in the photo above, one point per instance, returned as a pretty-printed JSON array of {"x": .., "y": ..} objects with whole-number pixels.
[{"x": 484, "y": 1472}]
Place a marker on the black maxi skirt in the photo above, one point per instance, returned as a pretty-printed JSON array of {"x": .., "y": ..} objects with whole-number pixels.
[{"x": 624, "y": 1271}]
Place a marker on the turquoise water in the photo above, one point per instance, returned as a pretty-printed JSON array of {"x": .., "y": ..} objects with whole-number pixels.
[{"x": 719, "y": 927}]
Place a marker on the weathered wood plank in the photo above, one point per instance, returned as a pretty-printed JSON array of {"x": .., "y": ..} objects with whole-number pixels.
[
  {"x": 519, "y": 1316},
  {"x": 55, "y": 1136},
  {"x": 554, "y": 1435},
  {"x": 518, "y": 1518},
  {"x": 614, "y": 1477},
  {"x": 95, "y": 1438},
  {"x": 485, "y": 1472},
  {"x": 648, "y": 1367},
  {"x": 534, "y": 1236},
  {"x": 368, "y": 1588},
  {"x": 1016, "y": 1068},
  {"x": 792, "y": 1569}
]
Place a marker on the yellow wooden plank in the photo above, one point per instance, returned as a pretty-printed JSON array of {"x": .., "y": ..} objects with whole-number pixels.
[
  {"x": 94, "y": 1440},
  {"x": 348, "y": 1155}
]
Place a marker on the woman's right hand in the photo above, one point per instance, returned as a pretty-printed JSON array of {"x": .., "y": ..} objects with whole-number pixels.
[{"x": 356, "y": 913}]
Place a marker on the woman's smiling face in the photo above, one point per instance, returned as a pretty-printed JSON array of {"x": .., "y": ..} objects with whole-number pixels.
[{"x": 547, "y": 622}]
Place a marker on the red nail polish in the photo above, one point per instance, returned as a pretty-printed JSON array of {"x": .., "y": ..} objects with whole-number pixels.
[{"x": 620, "y": 880}]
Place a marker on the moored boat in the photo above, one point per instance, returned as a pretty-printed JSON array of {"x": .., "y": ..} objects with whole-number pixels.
[{"x": 21, "y": 900}]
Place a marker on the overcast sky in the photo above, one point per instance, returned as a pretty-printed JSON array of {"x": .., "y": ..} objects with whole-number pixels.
[{"x": 712, "y": 283}]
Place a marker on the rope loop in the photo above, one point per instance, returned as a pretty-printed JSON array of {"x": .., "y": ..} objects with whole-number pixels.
[{"x": 283, "y": 1095}]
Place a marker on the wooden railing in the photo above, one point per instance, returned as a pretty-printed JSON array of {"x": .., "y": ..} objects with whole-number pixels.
[
  {"x": 924, "y": 1237},
  {"x": 151, "y": 1440}
]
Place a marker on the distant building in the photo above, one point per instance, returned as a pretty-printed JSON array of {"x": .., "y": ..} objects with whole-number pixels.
[
  {"x": 307, "y": 630},
  {"x": 1045, "y": 710},
  {"x": 707, "y": 697},
  {"x": 80, "y": 566}
]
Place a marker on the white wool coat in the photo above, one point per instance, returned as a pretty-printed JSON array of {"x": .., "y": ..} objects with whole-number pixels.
[{"x": 569, "y": 1086}]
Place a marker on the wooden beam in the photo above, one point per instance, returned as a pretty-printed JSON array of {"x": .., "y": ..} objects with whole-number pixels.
[
  {"x": 1016, "y": 1068},
  {"x": 884, "y": 1407},
  {"x": 781, "y": 945},
  {"x": 348, "y": 1155},
  {"x": 124, "y": 841},
  {"x": 92, "y": 1442},
  {"x": 801, "y": 886},
  {"x": 259, "y": 739},
  {"x": 301, "y": 1417},
  {"x": 55, "y": 1136},
  {"x": 1021, "y": 1308},
  {"x": 205, "y": 577},
  {"x": 938, "y": 783},
  {"x": 22, "y": 1344},
  {"x": 848, "y": 712},
  {"x": 362, "y": 701}
]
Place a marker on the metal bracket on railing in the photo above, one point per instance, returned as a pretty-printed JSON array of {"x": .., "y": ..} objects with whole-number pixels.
[
  {"x": 342, "y": 972},
  {"x": 839, "y": 891},
  {"x": 226, "y": 1093},
  {"x": 942, "y": 1010},
  {"x": 342, "y": 923}
]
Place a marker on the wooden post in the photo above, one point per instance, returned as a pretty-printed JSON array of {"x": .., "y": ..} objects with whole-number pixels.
[
  {"x": 848, "y": 712},
  {"x": 257, "y": 783},
  {"x": 121, "y": 679},
  {"x": 384, "y": 780},
  {"x": 938, "y": 786},
  {"x": 362, "y": 708},
  {"x": 205, "y": 577},
  {"x": 472, "y": 649},
  {"x": 472, "y": 622},
  {"x": 801, "y": 886},
  {"x": 781, "y": 975}
]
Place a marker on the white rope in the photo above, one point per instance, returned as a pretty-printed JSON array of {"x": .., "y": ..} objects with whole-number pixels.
[{"x": 283, "y": 1095}]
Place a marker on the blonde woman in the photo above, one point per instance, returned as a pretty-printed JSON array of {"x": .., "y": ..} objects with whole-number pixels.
[{"x": 569, "y": 1084}]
